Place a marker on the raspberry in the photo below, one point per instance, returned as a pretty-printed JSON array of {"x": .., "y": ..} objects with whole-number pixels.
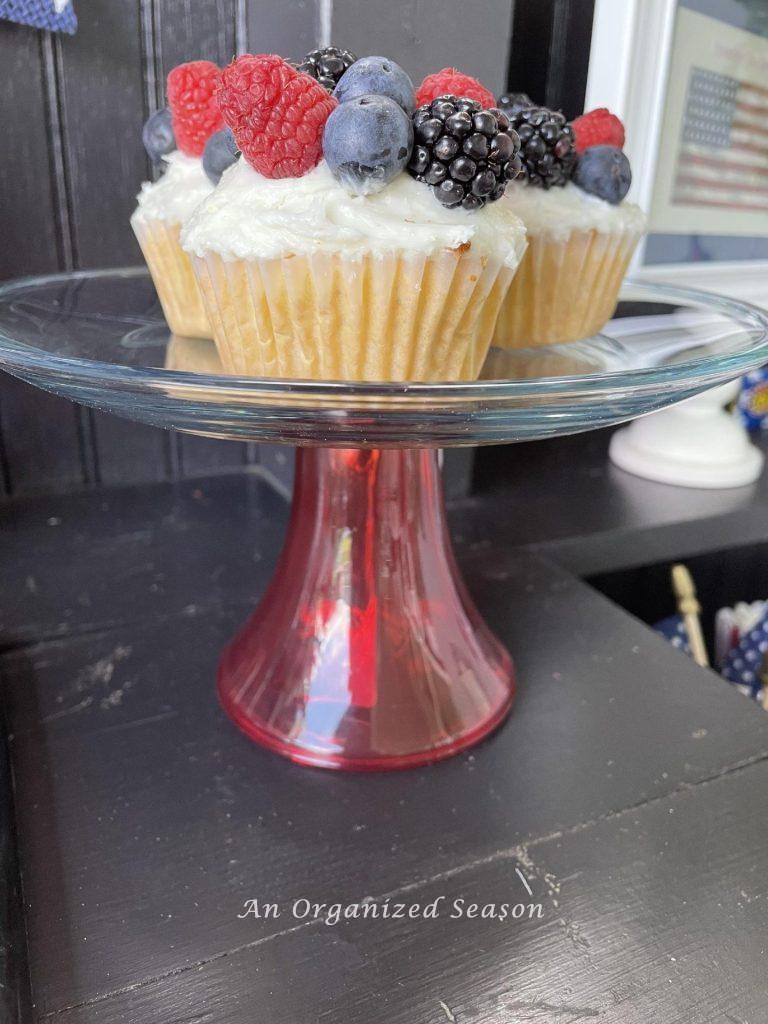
[
  {"x": 449, "y": 81},
  {"x": 598, "y": 128},
  {"x": 194, "y": 112},
  {"x": 277, "y": 114}
]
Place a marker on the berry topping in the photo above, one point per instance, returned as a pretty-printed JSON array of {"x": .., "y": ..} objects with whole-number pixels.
[
  {"x": 276, "y": 114},
  {"x": 465, "y": 153},
  {"x": 598, "y": 128},
  {"x": 378, "y": 76},
  {"x": 450, "y": 82},
  {"x": 157, "y": 135},
  {"x": 327, "y": 66},
  {"x": 220, "y": 153},
  {"x": 514, "y": 102},
  {"x": 604, "y": 171},
  {"x": 546, "y": 145},
  {"x": 367, "y": 142},
  {"x": 194, "y": 112}
]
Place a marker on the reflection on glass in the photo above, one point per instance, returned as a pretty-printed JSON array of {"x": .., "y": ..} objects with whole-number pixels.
[{"x": 99, "y": 339}]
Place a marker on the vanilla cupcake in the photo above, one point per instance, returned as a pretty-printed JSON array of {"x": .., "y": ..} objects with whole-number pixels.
[
  {"x": 165, "y": 205},
  {"x": 320, "y": 257},
  {"x": 581, "y": 233}
]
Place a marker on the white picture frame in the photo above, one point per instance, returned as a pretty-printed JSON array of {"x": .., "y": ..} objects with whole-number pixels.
[{"x": 628, "y": 69}]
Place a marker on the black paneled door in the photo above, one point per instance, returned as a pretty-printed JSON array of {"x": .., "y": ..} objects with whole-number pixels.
[{"x": 72, "y": 161}]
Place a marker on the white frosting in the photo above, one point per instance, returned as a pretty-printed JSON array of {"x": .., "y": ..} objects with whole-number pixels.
[
  {"x": 175, "y": 195},
  {"x": 252, "y": 217},
  {"x": 559, "y": 211}
]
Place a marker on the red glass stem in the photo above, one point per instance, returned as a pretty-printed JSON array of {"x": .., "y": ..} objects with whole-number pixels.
[{"x": 366, "y": 651}]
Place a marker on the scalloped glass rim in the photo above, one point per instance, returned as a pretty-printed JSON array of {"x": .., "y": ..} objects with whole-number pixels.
[{"x": 750, "y": 318}]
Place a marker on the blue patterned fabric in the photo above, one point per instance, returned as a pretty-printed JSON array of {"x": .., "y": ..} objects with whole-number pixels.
[
  {"x": 673, "y": 629},
  {"x": 742, "y": 663},
  {"x": 55, "y": 15},
  {"x": 753, "y": 400}
]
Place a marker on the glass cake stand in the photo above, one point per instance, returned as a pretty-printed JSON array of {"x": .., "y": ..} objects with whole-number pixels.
[{"x": 366, "y": 651}]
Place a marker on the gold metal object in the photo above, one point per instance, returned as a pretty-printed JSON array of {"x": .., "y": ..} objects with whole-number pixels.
[
  {"x": 690, "y": 609},
  {"x": 763, "y": 698}
]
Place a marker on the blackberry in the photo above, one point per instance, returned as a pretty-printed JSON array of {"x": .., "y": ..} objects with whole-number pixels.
[
  {"x": 513, "y": 102},
  {"x": 547, "y": 145},
  {"x": 327, "y": 66},
  {"x": 467, "y": 154}
]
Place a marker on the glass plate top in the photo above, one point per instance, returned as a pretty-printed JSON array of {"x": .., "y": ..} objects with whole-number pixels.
[{"x": 99, "y": 338}]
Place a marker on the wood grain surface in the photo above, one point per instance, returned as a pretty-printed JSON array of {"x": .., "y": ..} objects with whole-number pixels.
[{"x": 625, "y": 787}]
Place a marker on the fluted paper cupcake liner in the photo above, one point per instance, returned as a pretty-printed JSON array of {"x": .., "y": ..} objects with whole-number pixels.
[
  {"x": 565, "y": 289},
  {"x": 174, "y": 278},
  {"x": 323, "y": 317}
]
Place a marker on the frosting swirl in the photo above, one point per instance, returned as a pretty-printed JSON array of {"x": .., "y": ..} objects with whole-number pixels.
[
  {"x": 559, "y": 211},
  {"x": 249, "y": 216},
  {"x": 177, "y": 194}
]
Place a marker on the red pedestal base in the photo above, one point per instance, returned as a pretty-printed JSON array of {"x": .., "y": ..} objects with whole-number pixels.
[{"x": 366, "y": 651}]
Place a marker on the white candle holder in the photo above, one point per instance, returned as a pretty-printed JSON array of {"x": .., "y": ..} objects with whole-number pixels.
[{"x": 693, "y": 444}]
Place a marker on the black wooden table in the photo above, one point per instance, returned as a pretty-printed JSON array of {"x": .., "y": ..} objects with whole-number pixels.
[{"x": 623, "y": 806}]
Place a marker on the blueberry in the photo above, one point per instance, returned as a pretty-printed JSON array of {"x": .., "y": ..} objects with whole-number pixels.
[
  {"x": 157, "y": 135},
  {"x": 220, "y": 153},
  {"x": 604, "y": 171},
  {"x": 377, "y": 76},
  {"x": 367, "y": 142}
]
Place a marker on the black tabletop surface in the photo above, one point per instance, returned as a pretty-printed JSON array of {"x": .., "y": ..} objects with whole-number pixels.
[{"x": 622, "y": 806}]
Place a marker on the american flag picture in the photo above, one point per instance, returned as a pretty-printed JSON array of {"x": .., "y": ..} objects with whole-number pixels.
[{"x": 723, "y": 158}]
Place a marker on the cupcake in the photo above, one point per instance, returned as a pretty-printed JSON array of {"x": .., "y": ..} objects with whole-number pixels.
[
  {"x": 176, "y": 139},
  {"x": 581, "y": 233},
  {"x": 338, "y": 246}
]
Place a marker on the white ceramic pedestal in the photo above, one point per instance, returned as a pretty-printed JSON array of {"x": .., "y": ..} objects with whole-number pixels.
[{"x": 693, "y": 444}]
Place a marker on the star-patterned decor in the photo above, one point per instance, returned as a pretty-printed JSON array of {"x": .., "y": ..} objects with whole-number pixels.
[
  {"x": 741, "y": 666},
  {"x": 673, "y": 629},
  {"x": 54, "y": 15}
]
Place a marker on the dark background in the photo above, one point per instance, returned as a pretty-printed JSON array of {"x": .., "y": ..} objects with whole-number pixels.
[{"x": 72, "y": 161}]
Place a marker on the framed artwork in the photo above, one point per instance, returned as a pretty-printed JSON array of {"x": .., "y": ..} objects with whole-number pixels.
[{"x": 689, "y": 78}]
